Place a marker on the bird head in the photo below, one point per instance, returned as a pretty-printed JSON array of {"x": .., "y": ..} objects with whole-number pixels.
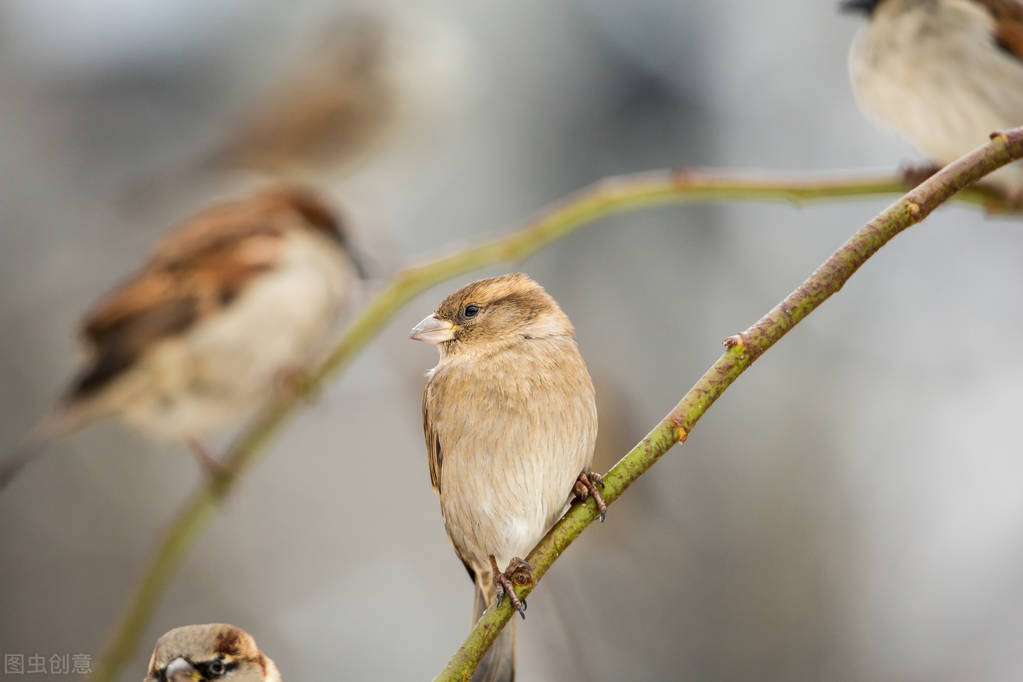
[
  {"x": 205, "y": 653},
  {"x": 491, "y": 313},
  {"x": 315, "y": 214}
]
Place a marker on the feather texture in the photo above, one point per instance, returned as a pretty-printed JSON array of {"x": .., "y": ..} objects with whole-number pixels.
[
  {"x": 510, "y": 420},
  {"x": 227, "y": 303}
]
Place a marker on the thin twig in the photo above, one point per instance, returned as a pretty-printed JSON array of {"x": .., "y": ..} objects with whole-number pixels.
[
  {"x": 583, "y": 208},
  {"x": 741, "y": 350}
]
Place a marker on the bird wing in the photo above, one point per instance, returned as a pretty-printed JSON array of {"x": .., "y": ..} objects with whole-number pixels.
[
  {"x": 436, "y": 458},
  {"x": 186, "y": 281},
  {"x": 433, "y": 451}
]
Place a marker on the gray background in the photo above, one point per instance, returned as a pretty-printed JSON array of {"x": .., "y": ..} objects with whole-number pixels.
[{"x": 850, "y": 510}]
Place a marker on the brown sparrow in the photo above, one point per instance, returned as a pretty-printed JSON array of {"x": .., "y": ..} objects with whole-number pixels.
[
  {"x": 355, "y": 85},
  {"x": 331, "y": 105},
  {"x": 204, "y": 653},
  {"x": 943, "y": 73},
  {"x": 510, "y": 420},
  {"x": 229, "y": 303}
]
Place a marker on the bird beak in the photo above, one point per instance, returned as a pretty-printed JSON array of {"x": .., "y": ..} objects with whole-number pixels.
[
  {"x": 181, "y": 670},
  {"x": 433, "y": 330},
  {"x": 861, "y": 6}
]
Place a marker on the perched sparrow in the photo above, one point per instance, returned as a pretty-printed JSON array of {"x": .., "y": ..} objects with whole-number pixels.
[
  {"x": 943, "y": 73},
  {"x": 510, "y": 421},
  {"x": 228, "y": 304},
  {"x": 204, "y": 653}
]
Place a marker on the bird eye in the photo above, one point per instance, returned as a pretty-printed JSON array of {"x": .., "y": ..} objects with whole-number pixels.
[
  {"x": 471, "y": 310},
  {"x": 217, "y": 668}
]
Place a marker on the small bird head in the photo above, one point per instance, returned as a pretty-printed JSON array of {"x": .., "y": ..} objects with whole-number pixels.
[
  {"x": 204, "y": 653},
  {"x": 316, "y": 215},
  {"x": 493, "y": 312},
  {"x": 859, "y": 6}
]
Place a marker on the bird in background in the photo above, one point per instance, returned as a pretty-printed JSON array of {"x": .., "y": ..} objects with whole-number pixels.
[
  {"x": 232, "y": 303},
  {"x": 510, "y": 419},
  {"x": 205, "y": 653},
  {"x": 942, "y": 73},
  {"x": 361, "y": 79}
]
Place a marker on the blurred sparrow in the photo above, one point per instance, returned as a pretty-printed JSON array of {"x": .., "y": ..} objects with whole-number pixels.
[
  {"x": 510, "y": 421},
  {"x": 229, "y": 304},
  {"x": 943, "y": 73},
  {"x": 356, "y": 83},
  {"x": 328, "y": 108},
  {"x": 204, "y": 653}
]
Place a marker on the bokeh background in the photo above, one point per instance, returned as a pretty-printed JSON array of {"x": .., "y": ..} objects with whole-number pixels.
[{"x": 850, "y": 510}]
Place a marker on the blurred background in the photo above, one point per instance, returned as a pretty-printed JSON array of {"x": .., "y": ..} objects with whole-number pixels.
[{"x": 850, "y": 510}]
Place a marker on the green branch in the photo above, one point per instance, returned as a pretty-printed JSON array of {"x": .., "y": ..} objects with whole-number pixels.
[
  {"x": 583, "y": 208},
  {"x": 741, "y": 350}
]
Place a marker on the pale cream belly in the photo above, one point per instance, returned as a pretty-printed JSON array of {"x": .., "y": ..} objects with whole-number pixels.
[
  {"x": 521, "y": 497},
  {"x": 231, "y": 364}
]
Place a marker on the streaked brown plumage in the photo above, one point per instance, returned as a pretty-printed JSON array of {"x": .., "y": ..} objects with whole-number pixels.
[
  {"x": 230, "y": 300},
  {"x": 510, "y": 420},
  {"x": 205, "y": 653},
  {"x": 943, "y": 73}
]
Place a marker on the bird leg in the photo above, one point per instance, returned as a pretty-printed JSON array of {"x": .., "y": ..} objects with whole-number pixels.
[
  {"x": 587, "y": 485},
  {"x": 518, "y": 573},
  {"x": 208, "y": 462}
]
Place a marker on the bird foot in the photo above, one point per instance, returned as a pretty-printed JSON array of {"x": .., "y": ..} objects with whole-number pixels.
[
  {"x": 518, "y": 573},
  {"x": 588, "y": 485},
  {"x": 915, "y": 174}
]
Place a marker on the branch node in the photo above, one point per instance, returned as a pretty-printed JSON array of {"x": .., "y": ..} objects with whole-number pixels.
[
  {"x": 913, "y": 208},
  {"x": 999, "y": 135},
  {"x": 680, "y": 431},
  {"x": 736, "y": 342}
]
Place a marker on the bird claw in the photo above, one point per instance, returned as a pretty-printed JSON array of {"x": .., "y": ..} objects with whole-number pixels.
[
  {"x": 518, "y": 573},
  {"x": 589, "y": 484}
]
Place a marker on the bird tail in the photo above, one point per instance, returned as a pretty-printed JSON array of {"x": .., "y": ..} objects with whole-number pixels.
[
  {"x": 498, "y": 664},
  {"x": 62, "y": 421}
]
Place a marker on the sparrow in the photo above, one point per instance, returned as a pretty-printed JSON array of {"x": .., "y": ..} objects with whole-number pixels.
[
  {"x": 942, "y": 73},
  {"x": 510, "y": 419},
  {"x": 359, "y": 80},
  {"x": 329, "y": 106},
  {"x": 204, "y": 653},
  {"x": 230, "y": 304}
]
